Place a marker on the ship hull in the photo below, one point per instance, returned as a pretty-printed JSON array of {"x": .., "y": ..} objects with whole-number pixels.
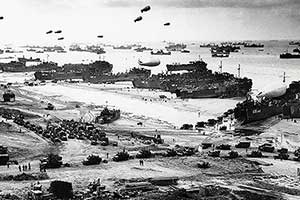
[
  {"x": 206, "y": 93},
  {"x": 252, "y": 115},
  {"x": 289, "y": 56}
]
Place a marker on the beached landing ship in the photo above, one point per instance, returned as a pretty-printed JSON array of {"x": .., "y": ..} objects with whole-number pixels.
[
  {"x": 75, "y": 71},
  {"x": 289, "y": 56},
  {"x": 280, "y": 100},
  {"x": 132, "y": 74},
  {"x": 198, "y": 82},
  {"x": 20, "y": 66}
]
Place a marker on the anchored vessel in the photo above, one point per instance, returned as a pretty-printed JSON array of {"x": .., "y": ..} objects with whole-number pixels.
[
  {"x": 248, "y": 45},
  {"x": 175, "y": 47},
  {"x": 160, "y": 52}
]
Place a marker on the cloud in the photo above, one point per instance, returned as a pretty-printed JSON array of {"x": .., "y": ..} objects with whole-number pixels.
[{"x": 205, "y": 3}]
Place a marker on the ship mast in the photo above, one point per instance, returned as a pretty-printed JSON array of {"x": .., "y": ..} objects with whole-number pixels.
[
  {"x": 239, "y": 71},
  {"x": 220, "y": 67}
]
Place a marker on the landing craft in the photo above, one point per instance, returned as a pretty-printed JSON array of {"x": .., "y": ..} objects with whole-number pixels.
[
  {"x": 167, "y": 24},
  {"x": 147, "y": 8},
  {"x": 59, "y": 31},
  {"x": 100, "y": 36},
  {"x": 61, "y": 38},
  {"x": 48, "y": 32},
  {"x": 152, "y": 62},
  {"x": 1, "y": 17},
  {"x": 138, "y": 19}
]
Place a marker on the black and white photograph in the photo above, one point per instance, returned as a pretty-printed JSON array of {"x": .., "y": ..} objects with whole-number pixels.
[{"x": 150, "y": 99}]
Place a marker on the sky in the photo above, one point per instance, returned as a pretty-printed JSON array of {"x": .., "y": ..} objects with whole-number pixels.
[{"x": 27, "y": 21}]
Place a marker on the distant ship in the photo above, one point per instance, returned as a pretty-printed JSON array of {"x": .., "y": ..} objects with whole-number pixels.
[
  {"x": 185, "y": 51},
  {"x": 24, "y": 60},
  {"x": 141, "y": 49},
  {"x": 160, "y": 52},
  {"x": 297, "y": 50},
  {"x": 191, "y": 66},
  {"x": 92, "y": 49},
  {"x": 175, "y": 47},
  {"x": 122, "y": 47},
  {"x": 289, "y": 56},
  {"x": 248, "y": 45},
  {"x": 294, "y": 43},
  {"x": 31, "y": 50},
  {"x": 219, "y": 52},
  {"x": 209, "y": 45},
  {"x": 61, "y": 51}
]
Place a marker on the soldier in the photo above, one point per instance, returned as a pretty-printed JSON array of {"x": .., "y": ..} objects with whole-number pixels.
[
  {"x": 29, "y": 166},
  {"x": 20, "y": 168}
]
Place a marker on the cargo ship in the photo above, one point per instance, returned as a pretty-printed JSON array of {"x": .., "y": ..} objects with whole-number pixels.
[
  {"x": 289, "y": 56},
  {"x": 141, "y": 49},
  {"x": 197, "y": 82},
  {"x": 209, "y": 45},
  {"x": 219, "y": 53},
  {"x": 253, "y": 45},
  {"x": 269, "y": 104},
  {"x": 160, "y": 52},
  {"x": 175, "y": 47}
]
